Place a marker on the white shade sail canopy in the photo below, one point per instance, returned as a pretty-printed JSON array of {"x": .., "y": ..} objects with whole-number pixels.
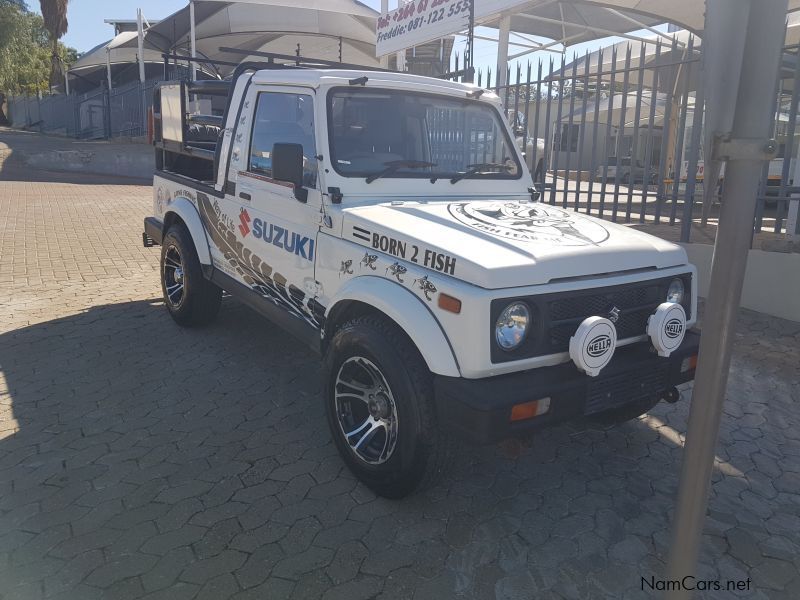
[
  {"x": 322, "y": 30},
  {"x": 119, "y": 53},
  {"x": 569, "y": 22}
]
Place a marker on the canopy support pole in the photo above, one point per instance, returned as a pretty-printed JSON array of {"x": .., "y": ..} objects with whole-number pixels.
[
  {"x": 753, "y": 112},
  {"x": 140, "y": 35},
  {"x": 193, "y": 36},
  {"x": 504, "y": 30},
  {"x": 385, "y": 11},
  {"x": 108, "y": 68},
  {"x": 401, "y": 56},
  {"x": 142, "y": 74}
]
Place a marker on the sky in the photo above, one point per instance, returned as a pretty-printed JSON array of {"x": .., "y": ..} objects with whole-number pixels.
[{"x": 87, "y": 28}]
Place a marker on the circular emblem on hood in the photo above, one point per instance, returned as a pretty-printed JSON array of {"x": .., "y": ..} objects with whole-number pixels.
[{"x": 530, "y": 222}]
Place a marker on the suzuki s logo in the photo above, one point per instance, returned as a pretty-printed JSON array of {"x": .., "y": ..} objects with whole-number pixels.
[
  {"x": 598, "y": 346},
  {"x": 673, "y": 328},
  {"x": 613, "y": 314},
  {"x": 244, "y": 218}
]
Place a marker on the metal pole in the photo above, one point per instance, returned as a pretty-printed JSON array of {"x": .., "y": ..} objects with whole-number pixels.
[
  {"x": 193, "y": 35},
  {"x": 469, "y": 66},
  {"x": 108, "y": 67},
  {"x": 384, "y": 12},
  {"x": 401, "y": 56},
  {"x": 722, "y": 62},
  {"x": 502, "y": 50},
  {"x": 140, "y": 49},
  {"x": 142, "y": 75},
  {"x": 746, "y": 152}
]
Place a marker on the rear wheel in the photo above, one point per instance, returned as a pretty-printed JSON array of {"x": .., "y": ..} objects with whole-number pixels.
[
  {"x": 379, "y": 404},
  {"x": 190, "y": 298}
]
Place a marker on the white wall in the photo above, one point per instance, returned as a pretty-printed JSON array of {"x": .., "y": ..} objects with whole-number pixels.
[{"x": 772, "y": 280}]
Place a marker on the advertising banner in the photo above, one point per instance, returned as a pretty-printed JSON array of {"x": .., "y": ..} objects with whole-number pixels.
[{"x": 423, "y": 21}]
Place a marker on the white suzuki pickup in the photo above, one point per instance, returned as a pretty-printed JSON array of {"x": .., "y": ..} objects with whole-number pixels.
[{"x": 389, "y": 221}]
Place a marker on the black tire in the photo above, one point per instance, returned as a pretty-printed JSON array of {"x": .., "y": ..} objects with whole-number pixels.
[
  {"x": 420, "y": 450},
  {"x": 197, "y": 302}
]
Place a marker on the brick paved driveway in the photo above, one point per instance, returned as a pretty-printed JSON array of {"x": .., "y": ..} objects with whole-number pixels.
[{"x": 138, "y": 459}]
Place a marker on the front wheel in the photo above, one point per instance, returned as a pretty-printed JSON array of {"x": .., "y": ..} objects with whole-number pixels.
[
  {"x": 190, "y": 298},
  {"x": 379, "y": 404}
]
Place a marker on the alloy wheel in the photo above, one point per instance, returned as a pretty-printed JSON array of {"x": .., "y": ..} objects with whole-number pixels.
[{"x": 366, "y": 410}]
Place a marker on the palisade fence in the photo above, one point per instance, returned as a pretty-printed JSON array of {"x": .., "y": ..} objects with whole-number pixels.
[
  {"x": 619, "y": 134},
  {"x": 98, "y": 114}
]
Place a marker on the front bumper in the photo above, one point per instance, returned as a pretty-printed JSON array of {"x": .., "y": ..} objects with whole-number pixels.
[{"x": 480, "y": 409}]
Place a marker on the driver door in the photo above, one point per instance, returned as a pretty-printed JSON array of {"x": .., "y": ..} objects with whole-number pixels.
[{"x": 278, "y": 232}]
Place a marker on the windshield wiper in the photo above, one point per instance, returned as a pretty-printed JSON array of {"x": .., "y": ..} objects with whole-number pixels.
[
  {"x": 477, "y": 168},
  {"x": 393, "y": 165}
]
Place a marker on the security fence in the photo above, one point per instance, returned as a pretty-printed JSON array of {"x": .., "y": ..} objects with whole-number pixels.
[
  {"x": 618, "y": 133},
  {"x": 100, "y": 113}
]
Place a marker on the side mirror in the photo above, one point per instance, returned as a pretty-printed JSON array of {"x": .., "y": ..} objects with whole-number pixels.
[{"x": 287, "y": 165}]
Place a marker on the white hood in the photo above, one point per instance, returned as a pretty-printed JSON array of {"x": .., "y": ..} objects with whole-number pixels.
[{"x": 505, "y": 243}]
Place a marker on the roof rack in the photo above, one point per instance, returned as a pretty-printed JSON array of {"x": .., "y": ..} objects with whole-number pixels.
[{"x": 300, "y": 62}]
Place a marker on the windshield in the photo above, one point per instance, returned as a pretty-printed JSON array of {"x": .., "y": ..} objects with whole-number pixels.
[{"x": 387, "y": 133}]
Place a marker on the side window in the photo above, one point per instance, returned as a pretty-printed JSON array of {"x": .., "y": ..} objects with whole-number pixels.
[{"x": 283, "y": 118}]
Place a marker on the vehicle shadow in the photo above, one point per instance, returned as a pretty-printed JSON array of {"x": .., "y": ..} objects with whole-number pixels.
[{"x": 134, "y": 453}]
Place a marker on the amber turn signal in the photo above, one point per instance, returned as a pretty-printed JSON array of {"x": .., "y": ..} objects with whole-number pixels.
[
  {"x": 528, "y": 410},
  {"x": 689, "y": 363},
  {"x": 449, "y": 303}
]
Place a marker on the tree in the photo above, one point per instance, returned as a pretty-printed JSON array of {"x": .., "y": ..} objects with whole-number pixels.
[
  {"x": 20, "y": 4},
  {"x": 54, "y": 13},
  {"x": 25, "y": 51}
]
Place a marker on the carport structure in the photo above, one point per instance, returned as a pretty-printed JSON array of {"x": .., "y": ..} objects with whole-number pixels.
[{"x": 342, "y": 30}]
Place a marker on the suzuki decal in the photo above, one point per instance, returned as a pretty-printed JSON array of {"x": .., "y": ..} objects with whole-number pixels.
[
  {"x": 244, "y": 223},
  {"x": 256, "y": 273},
  {"x": 292, "y": 242}
]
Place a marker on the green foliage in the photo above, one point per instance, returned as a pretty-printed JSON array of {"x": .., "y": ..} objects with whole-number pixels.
[
  {"x": 20, "y": 4},
  {"x": 25, "y": 51}
]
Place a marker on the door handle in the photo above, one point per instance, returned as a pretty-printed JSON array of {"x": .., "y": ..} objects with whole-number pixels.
[{"x": 245, "y": 196}]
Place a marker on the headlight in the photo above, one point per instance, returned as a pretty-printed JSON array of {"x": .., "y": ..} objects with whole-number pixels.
[
  {"x": 676, "y": 291},
  {"x": 512, "y": 326}
]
